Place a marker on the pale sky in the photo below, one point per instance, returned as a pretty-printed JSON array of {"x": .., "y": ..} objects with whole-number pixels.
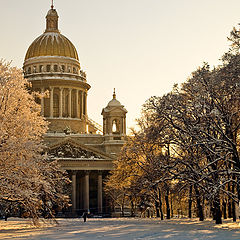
[{"x": 139, "y": 47}]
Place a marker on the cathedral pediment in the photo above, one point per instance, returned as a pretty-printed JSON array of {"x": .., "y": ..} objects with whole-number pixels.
[{"x": 72, "y": 150}]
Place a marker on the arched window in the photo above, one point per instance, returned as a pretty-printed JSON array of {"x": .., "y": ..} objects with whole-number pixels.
[
  {"x": 48, "y": 68},
  {"x": 115, "y": 126},
  {"x": 41, "y": 68},
  {"x": 55, "y": 68},
  {"x": 29, "y": 70},
  {"x": 55, "y": 105}
]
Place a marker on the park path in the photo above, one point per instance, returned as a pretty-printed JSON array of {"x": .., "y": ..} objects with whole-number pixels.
[{"x": 121, "y": 229}]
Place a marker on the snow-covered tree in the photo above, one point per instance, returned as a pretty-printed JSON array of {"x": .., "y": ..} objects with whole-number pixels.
[
  {"x": 203, "y": 116},
  {"x": 30, "y": 183},
  {"x": 190, "y": 137}
]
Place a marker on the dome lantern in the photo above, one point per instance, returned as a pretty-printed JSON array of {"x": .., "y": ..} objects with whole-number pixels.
[{"x": 52, "y": 20}]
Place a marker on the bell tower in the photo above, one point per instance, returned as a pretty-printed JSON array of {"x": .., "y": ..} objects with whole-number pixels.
[{"x": 114, "y": 120}]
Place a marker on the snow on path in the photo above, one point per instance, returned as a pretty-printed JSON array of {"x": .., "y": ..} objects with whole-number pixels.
[{"x": 121, "y": 229}]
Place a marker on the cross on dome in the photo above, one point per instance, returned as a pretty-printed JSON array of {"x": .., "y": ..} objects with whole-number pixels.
[
  {"x": 114, "y": 94},
  {"x": 52, "y": 5}
]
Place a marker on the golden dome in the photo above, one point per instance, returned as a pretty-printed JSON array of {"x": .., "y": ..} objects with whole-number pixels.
[{"x": 51, "y": 42}]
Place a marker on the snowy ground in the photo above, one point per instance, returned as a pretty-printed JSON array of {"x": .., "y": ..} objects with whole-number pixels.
[{"x": 122, "y": 228}]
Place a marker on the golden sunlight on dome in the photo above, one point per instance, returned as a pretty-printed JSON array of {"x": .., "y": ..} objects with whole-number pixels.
[{"x": 51, "y": 42}]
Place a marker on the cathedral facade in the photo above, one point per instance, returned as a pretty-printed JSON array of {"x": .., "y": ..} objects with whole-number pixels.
[{"x": 83, "y": 148}]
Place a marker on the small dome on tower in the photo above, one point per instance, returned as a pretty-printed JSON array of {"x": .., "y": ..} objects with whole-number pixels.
[{"x": 114, "y": 102}]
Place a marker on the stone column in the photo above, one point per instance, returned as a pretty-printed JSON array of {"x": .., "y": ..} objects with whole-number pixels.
[
  {"x": 82, "y": 101},
  {"x": 77, "y": 105},
  {"x": 110, "y": 126},
  {"x": 70, "y": 103},
  {"x": 51, "y": 101},
  {"x": 104, "y": 125},
  {"x": 121, "y": 126},
  {"x": 100, "y": 197},
  {"x": 86, "y": 191},
  {"x": 124, "y": 130},
  {"x": 81, "y": 189},
  {"x": 61, "y": 102},
  {"x": 42, "y": 102},
  {"x": 85, "y": 104},
  {"x": 74, "y": 185}
]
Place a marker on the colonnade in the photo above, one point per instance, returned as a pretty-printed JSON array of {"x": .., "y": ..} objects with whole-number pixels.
[
  {"x": 65, "y": 102},
  {"x": 80, "y": 190}
]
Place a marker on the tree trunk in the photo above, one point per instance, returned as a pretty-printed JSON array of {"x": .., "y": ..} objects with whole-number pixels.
[
  {"x": 234, "y": 211},
  {"x": 233, "y": 202},
  {"x": 148, "y": 213},
  {"x": 199, "y": 205},
  {"x": 238, "y": 189},
  {"x": 238, "y": 192},
  {"x": 229, "y": 207},
  {"x": 167, "y": 189},
  {"x": 132, "y": 209},
  {"x": 160, "y": 204},
  {"x": 224, "y": 209},
  {"x": 167, "y": 204},
  {"x": 122, "y": 211},
  {"x": 123, "y": 204},
  {"x": 229, "y": 203},
  {"x": 200, "y": 209},
  {"x": 213, "y": 211},
  {"x": 190, "y": 203},
  {"x": 157, "y": 209},
  {"x": 218, "y": 213}
]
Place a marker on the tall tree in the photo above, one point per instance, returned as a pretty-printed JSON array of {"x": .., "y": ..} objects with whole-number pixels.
[{"x": 29, "y": 181}]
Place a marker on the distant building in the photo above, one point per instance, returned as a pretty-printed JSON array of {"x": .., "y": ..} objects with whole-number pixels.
[{"x": 51, "y": 63}]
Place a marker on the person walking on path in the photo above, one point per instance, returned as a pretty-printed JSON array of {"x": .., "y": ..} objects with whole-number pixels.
[{"x": 85, "y": 216}]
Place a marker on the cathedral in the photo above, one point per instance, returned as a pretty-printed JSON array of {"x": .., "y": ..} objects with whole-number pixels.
[{"x": 84, "y": 149}]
